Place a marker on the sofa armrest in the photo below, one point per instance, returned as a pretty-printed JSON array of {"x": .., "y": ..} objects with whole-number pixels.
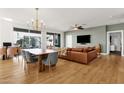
[{"x": 91, "y": 55}]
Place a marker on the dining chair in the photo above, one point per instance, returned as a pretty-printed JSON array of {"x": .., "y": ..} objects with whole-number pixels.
[
  {"x": 28, "y": 60},
  {"x": 51, "y": 60},
  {"x": 24, "y": 60}
]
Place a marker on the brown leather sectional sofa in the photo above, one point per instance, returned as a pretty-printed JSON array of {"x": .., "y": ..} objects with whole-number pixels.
[{"x": 81, "y": 55}]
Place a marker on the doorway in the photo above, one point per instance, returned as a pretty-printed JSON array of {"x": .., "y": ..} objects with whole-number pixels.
[{"x": 115, "y": 43}]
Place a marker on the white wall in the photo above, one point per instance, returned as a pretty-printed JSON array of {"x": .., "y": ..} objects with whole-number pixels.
[{"x": 6, "y": 32}]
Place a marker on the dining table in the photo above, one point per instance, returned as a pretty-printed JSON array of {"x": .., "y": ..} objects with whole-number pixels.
[{"x": 40, "y": 53}]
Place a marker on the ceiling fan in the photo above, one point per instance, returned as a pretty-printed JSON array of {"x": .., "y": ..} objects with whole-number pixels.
[{"x": 77, "y": 27}]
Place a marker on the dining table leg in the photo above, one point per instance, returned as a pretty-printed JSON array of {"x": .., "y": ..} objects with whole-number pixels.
[
  {"x": 40, "y": 66},
  {"x": 39, "y": 63}
]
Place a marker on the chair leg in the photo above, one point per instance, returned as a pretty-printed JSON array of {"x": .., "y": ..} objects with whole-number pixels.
[
  {"x": 15, "y": 56},
  {"x": 49, "y": 68},
  {"x": 54, "y": 67},
  {"x": 22, "y": 59},
  {"x": 29, "y": 68},
  {"x": 25, "y": 66},
  {"x": 44, "y": 67},
  {"x": 49, "y": 65},
  {"x": 22, "y": 63},
  {"x": 36, "y": 64}
]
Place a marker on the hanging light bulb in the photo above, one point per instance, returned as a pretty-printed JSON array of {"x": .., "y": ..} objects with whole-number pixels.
[{"x": 36, "y": 24}]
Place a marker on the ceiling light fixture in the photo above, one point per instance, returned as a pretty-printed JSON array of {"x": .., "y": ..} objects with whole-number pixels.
[
  {"x": 75, "y": 29},
  {"x": 37, "y": 24}
]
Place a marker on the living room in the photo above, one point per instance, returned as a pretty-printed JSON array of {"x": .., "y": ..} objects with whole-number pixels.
[
  {"x": 79, "y": 43},
  {"x": 57, "y": 46}
]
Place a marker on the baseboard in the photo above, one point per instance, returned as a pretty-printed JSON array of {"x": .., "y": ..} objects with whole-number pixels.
[
  {"x": 103, "y": 53},
  {"x": 106, "y": 54}
]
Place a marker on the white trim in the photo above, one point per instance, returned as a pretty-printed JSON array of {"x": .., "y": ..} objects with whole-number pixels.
[
  {"x": 103, "y": 53},
  {"x": 122, "y": 39},
  {"x": 122, "y": 42}
]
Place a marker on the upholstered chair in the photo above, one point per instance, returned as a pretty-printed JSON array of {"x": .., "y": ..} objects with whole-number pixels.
[
  {"x": 28, "y": 60},
  {"x": 51, "y": 60}
]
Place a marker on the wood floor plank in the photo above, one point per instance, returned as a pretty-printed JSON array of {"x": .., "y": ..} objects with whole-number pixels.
[{"x": 107, "y": 69}]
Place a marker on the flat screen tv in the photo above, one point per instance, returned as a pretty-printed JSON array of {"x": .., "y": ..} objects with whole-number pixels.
[
  {"x": 83, "y": 39},
  {"x": 7, "y": 43}
]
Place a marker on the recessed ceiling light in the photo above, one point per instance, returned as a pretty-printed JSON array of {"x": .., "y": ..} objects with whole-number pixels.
[{"x": 7, "y": 19}]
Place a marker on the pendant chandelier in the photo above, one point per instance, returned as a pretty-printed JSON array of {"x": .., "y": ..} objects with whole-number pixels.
[{"x": 37, "y": 24}]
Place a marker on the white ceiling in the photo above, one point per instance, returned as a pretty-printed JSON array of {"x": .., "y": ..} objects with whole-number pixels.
[{"x": 62, "y": 18}]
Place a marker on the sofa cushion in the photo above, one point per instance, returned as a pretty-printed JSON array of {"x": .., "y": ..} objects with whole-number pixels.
[
  {"x": 85, "y": 49},
  {"x": 77, "y": 49},
  {"x": 88, "y": 49}
]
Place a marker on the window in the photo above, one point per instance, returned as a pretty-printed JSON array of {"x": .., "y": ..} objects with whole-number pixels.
[
  {"x": 26, "y": 40},
  {"x": 34, "y": 37}
]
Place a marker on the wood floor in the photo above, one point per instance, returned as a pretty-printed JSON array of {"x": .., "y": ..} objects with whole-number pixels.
[{"x": 105, "y": 70}]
